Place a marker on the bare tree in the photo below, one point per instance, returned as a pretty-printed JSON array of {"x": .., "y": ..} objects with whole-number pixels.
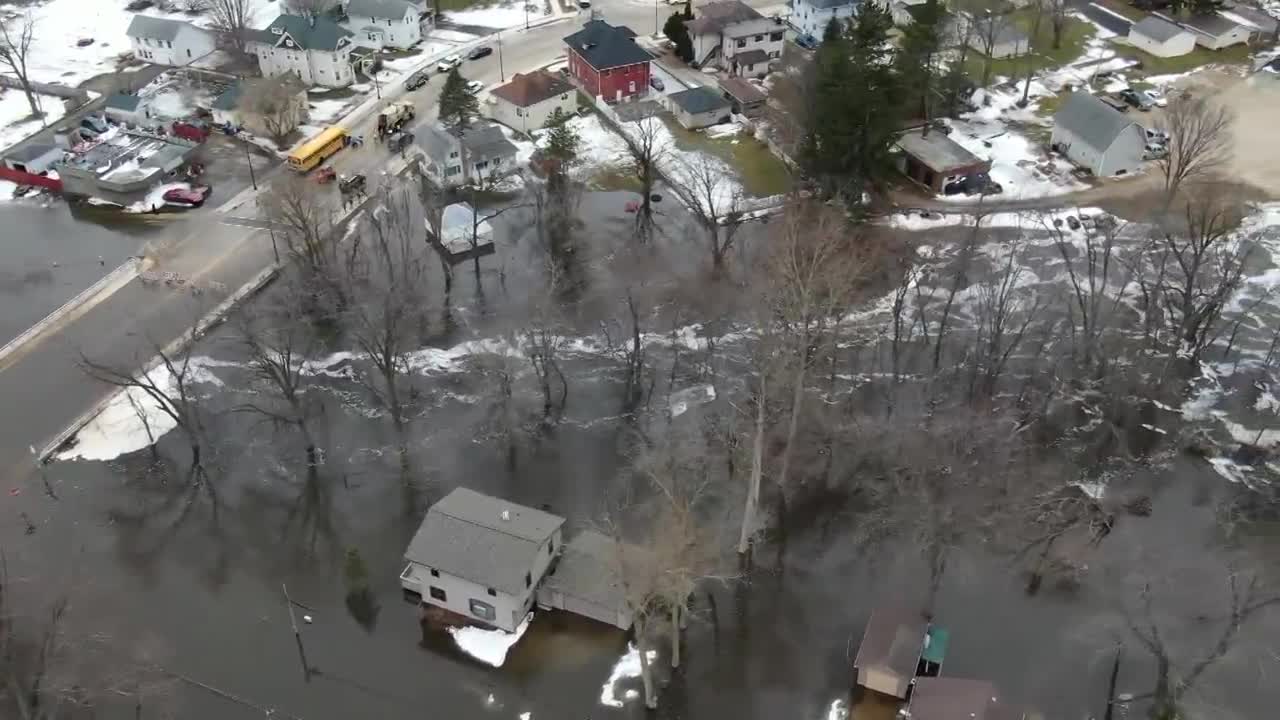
[
  {"x": 304, "y": 221},
  {"x": 1200, "y": 138},
  {"x": 309, "y": 8},
  {"x": 278, "y": 346},
  {"x": 647, "y": 152},
  {"x": 166, "y": 385},
  {"x": 992, "y": 29},
  {"x": 234, "y": 19},
  {"x": 1059, "y": 15},
  {"x": 16, "y": 36},
  {"x": 1003, "y": 314},
  {"x": 713, "y": 199},
  {"x": 275, "y": 103},
  {"x": 543, "y": 340}
]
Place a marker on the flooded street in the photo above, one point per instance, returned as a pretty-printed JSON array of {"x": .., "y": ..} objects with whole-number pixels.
[{"x": 195, "y": 573}]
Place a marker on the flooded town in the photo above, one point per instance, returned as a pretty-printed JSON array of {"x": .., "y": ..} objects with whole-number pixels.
[{"x": 820, "y": 359}]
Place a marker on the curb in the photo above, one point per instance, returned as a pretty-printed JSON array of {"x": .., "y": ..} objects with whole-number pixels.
[
  {"x": 108, "y": 284},
  {"x": 210, "y": 320}
]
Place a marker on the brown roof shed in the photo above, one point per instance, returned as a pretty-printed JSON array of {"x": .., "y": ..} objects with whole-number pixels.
[{"x": 532, "y": 88}]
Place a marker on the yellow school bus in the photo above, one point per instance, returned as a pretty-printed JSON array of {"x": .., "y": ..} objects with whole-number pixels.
[{"x": 318, "y": 149}]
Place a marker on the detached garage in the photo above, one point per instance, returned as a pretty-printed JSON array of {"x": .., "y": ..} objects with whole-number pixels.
[
  {"x": 1098, "y": 137},
  {"x": 1160, "y": 37}
]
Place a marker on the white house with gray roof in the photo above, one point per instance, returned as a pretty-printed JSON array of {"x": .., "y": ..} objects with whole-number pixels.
[
  {"x": 1216, "y": 31},
  {"x": 396, "y": 24},
  {"x": 168, "y": 42},
  {"x": 316, "y": 50},
  {"x": 811, "y": 17},
  {"x": 485, "y": 151},
  {"x": 481, "y": 557},
  {"x": 1161, "y": 38},
  {"x": 1097, "y": 137}
]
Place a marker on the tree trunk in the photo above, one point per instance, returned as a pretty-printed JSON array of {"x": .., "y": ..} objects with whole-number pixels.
[
  {"x": 793, "y": 424},
  {"x": 675, "y": 635},
  {"x": 753, "y": 483},
  {"x": 646, "y": 671},
  {"x": 1163, "y": 704}
]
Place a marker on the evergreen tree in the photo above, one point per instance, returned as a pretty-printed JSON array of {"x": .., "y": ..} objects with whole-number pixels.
[
  {"x": 1205, "y": 7},
  {"x": 833, "y": 31},
  {"x": 856, "y": 116},
  {"x": 562, "y": 143},
  {"x": 458, "y": 107},
  {"x": 678, "y": 34},
  {"x": 917, "y": 62}
]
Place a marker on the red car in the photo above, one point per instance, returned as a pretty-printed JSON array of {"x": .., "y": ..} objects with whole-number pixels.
[{"x": 193, "y": 197}]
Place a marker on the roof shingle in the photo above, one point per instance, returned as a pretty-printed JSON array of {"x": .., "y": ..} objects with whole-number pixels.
[
  {"x": 308, "y": 33},
  {"x": 156, "y": 28},
  {"x": 603, "y": 45},
  {"x": 1091, "y": 120},
  {"x": 699, "y": 100},
  {"x": 527, "y": 89}
]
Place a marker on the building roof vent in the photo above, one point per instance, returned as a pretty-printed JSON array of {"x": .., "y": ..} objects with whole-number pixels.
[{"x": 506, "y": 515}]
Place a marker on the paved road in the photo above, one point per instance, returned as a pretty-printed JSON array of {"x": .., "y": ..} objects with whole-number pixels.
[
  {"x": 1104, "y": 17},
  {"x": 43, "y": 390}
]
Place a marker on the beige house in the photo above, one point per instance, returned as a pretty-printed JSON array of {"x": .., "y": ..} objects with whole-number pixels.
[
  {"x": 890, "y": 650},
  {"x": 529, "y": 100}
]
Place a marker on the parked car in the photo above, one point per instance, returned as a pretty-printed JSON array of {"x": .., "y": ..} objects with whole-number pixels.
[
  {"x": 474, "y": 87},
  {"x": 417, "y": 80},
  {"x": 448, "y": 64},
  {"x": 1073, "y": 222},
  {"x": 808, "y": 42},
  {"x": 1155, "y": 151},
  {"x": 94, "y": 124},
  {"x": 1157, "y": 97},
  {"x": 1118, "y": 105},
  {"x": 187, "y": 197},
  {"x": 351, "y": 184},
  {"x": 584, "y": 4},
  {"x": 477, "y": 53},
  {"x": 655, "y": 82},
  {"x": 1137, "y": 98},
  {"x": 1155, "y": 135}
]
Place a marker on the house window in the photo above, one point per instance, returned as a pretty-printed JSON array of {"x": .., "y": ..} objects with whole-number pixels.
[
  {"x": 483, "y": 610},
  {"x": 492, "y": 592},
  {"x": 757, "y": 38},
  {"x": 775, "y": 37},
  {"x": 435, "y": 572},
  {"x": 438, "y": 594},
  {"x": 373, "y": 36},
  {"x": 519, "y": 112},
  {"x": 528, "y": 580},
  {"x": 551, "y": 546},
  {"x": 452, "y": 170},
  {"x": 453, "y": 154},
  {"x": 482, "y": 165},
  {"x": 740, "y": 42},
  {"x": 188, "y": 52},
  {"x": 631, "y": 86}
]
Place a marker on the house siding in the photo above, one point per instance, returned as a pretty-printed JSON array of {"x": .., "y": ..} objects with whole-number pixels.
[
  {"x": 766, "y": 29},
  {"x": 190, "y": 45},
  {"x": 401, "y": 34},
  {"x": 1178, "y": 45},
  {"x": 313, "y": 67},
  {"x": 1124, "y": 154},
  {"x": 613, "y": 84},
  {"x": 533, "y": 117},
  {"x": 810, "y": 20},
  {"x": 1236, "y": 36},
  {"x": 693, "y": 121},
  {"x": 509, "y": 610}
]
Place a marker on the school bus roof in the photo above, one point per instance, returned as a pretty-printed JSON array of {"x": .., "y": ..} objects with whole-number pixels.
[{"x": 321, "y": 139}]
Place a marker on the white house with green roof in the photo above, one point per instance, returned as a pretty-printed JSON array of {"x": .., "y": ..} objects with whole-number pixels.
[{"x": 316, "y": 50}]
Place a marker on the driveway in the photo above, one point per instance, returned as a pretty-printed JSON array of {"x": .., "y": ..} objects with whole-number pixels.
[{"x": 1108, "y": 19}]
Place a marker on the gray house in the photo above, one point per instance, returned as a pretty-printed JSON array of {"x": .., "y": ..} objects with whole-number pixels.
[
  {"x": 1098, "y": 137},
  {"x": 487, "y": 152},
  {"x": 699, "y": 107},
  {"x": 481, "y": 557}
]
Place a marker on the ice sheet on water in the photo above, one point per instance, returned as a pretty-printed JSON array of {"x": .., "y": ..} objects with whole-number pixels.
[
  {"x": 628, "y": 666},
  {"x": 488, "y": 646}
]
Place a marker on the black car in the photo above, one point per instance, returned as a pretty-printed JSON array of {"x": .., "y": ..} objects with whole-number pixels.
[
  {"x": 477, "y": 53},
  {"x": 1137, "y": 98},
  {"x": 417, "y": 80}
]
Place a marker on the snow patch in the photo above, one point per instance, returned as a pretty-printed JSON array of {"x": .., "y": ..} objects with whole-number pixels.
[
  {"x": 488, "y": 646},
  {"x": 16, "y": 120},
  {"x": 499, "y": 17},
  {"x": 628, "y": 666}
]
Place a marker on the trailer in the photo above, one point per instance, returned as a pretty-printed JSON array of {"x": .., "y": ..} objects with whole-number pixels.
[{"x": 393, "y": 117}]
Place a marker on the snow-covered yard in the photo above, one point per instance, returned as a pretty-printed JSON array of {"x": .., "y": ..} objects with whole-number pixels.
[
  {"x": 16, "y": 121},
  {"x": 499, "y": 16}
]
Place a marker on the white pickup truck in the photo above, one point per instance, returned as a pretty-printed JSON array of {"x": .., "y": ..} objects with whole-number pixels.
[{"x": 448, "y": 63}]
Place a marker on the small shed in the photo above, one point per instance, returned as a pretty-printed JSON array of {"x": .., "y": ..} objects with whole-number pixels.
[
  {"x": 890, "y": 651},
  {"x": 940, "y": 698},
  {"x": 1157, "y": 36},
  {"x": 33, "y": 158},
  {"x": 744, "y": 98},
  {"x": 751, "y": 63},
  {"x": 126, "y": 109},
  {"x": 934, "y": 160},
  {"x": 1215, "y": 31},
  {"x": 464, "y": 233},
  {"x": 1097, "y": 137},
  {"x": 698, "y": 107}
]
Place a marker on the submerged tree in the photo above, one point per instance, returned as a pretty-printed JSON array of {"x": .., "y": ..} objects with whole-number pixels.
[{"x": 17, "y": 35}]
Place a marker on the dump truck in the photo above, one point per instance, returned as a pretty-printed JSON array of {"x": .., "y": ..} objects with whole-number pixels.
[{"x": 394, "y": 117}]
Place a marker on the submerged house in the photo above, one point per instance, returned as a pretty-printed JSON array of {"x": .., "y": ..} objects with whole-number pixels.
[
  {"x": 938, "y": 698},
  {"x": 898, "y": 646},
  {"x": 481, "y": 557}
]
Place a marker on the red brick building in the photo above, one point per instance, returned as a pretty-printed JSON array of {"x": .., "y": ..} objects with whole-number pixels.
[{"x": 605, "y": 61}]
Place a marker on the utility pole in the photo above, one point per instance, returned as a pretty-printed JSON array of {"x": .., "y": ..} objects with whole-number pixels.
[
  {"x": 302, "y": 654},
  {"x": 501, "y": 72},
  {"x": 252, "y": 178}
]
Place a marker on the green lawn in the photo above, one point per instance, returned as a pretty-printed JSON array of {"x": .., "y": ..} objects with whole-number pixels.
[
  {"x": 1152, "y": 65},
  {"x": 1043, "y": 55},
  {"x": 1120, "y": 7},
  {"x": 760, "y": 173}
]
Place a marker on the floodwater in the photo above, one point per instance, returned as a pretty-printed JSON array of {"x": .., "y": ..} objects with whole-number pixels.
[
  {"x": 48, "y": 256},
  {"x": 204, "y": 572}
]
